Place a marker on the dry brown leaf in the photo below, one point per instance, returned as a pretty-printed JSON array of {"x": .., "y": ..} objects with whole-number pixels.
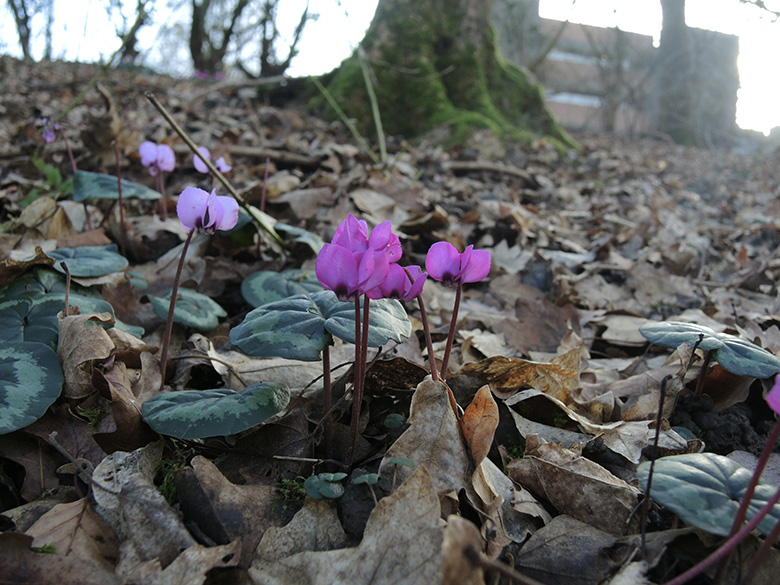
[
  {"x": 75, "y": 529},
  {"x": 479, "y": 423},
  {"x": 25, "y": 566},
  {"x": 401, "y": 544},
  {"x": 460, "y": 536},
  {"x": 576, "y": 486},
  {"x": 82, "y": 341},
  {"x": 315, "y": 527},
  {"x": 432, "y": 440},
  {"x": 191, "y": 567},
  {"x": 11, "y": 269},
  {"x": 224, "y": 511}
]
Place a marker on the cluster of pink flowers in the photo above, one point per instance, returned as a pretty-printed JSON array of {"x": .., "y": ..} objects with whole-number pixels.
[{"x": 357, "y": 263}]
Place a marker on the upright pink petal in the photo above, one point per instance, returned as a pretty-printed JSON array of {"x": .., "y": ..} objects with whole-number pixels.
[
  {"x": 394, "y": 285},
  {"x": 443, "y": 263},
  {"x": 166, "y": 160},
  {"x": 148, "y": 152},
  {"x": 773, "y": 398},
  {"x": 191, "y": 207},
  {"x": 372, "y": 269},
  {"x": 416, "y": 278},
  {"x": 336, "y": 269},
  {"x": 229, "y": 214},
  {"x": 475, "y": 266},
  {"x": 352, "y": 234},
  {"x": 382, "y": 238},
  {"x": 200, "y": 166}
]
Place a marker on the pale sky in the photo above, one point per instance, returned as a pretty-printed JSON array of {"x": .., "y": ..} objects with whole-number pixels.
[{"x": 342, "y": 23}]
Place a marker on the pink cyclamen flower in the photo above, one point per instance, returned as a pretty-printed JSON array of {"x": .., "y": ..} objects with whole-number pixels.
[
  {"x": 199, "y": 210},
  {"x": 50, "y": 128},
  {"x": 350, "y": 274},
  {"x": 773, "y": 398},
  {"x": 402, "y": 283},
  {"x": 444, "y": 264},
  {"x": 157, "y": 157},
  {"x": 201, "y": 167}
]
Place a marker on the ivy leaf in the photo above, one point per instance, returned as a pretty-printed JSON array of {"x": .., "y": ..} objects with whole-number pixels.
[
  {"x": 193, "y": 309},
  {"x": 745, "y": 358},
  {"x": 705, "y": 489},
  {"x": 267, "y": 286},
  {"x": 672, "y": 334},
  {"x": 30, "y": 381},
  {"x": 89, "y": 261},
  {"x": 88, "y": 185},
  {"x": 197, "y": 414},
  {"x": 300, "y": 326}
]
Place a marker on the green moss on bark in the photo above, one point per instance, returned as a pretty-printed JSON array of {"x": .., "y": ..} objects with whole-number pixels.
[{"x": 426, "y": 77}]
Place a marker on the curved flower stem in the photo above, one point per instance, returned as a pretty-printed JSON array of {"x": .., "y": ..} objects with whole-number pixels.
[
  {"x": 327, "y": 403},
  {"x": 357, "y": 393},
  {"x": 161, "y": 191},
  {"x": 171, "y": 307},
  {"x": 428, "y": 342},
  {"x": 451, "y": 335},
  {"x": 759, "y": 557},
  {"x": 751, "y": 488},
  {"x": 727, "y": 547}
]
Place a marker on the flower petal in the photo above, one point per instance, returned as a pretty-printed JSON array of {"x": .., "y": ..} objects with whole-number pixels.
[
  {"x": 222, "y": 165},
  {"x": 382, "y": 238},
  {"x": 443, "y": 262},
  {"x": 200, "y": 166},
  {"x": 191, "y": 207},
  {"x": 148, "y": 152},
  {"x": 229, "y": 215},
  {"x": 476, "y": 266},
  {"x": 166, "y": 160},
  {"x": 417, "y": 280},
  {"x": 352, "y": 234},
  {"x": 773, "y": 398},
  {"x": 336, "y": 269}
]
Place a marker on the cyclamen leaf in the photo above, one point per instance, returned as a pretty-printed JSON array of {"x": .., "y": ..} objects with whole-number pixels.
[
  {"x": 672, "y": 334},
  {"x": 30, "y": 381},
  {"x": 705, "y": 489},
  {"x": 196, "y": 414},
  {"x": 301, "y": 326},
  {"x": 88, "y": 185},
  {"x": 89, "y": 261},
  {"x": 746, "y": 359},
  {"x": 267, "y": 286},
  {"x": 193, "y": 309}
]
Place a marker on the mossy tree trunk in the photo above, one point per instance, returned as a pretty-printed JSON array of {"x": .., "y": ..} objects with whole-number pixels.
[{"x": 435, "y": 63}]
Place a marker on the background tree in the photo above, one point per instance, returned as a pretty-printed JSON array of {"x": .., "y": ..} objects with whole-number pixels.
[
  {"x": 674, "y": 75},
  {"x": 128, "y": 27},
  {"x": 434, "y": 64},
  {"x": 212, "y": 27},
  {"x": 23, "y": 12}
]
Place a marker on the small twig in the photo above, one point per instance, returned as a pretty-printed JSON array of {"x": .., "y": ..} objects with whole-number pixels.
[
  {"x": 478, "y": 558},
  {"x": 67, "y": 284}
]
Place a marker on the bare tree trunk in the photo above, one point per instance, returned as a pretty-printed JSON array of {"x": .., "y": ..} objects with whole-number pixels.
[
  {"x": 207, "y": 53},
  {"x": 23, "y": 13},
  {"x": 674, "y": 69}
]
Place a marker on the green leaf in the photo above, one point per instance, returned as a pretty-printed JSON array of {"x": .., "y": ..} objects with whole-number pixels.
[
  {"x": 394, "y": 420},
  {"x": 300, "y": 327},
  {"x": 193, "y": 309},
  {"x": 40, "y": 281},
  {"x": 89, "y": 261},
  {"x": 312, "y": 487},
  {"x": 674, "y": 333},
  {"x": 34, "y": 317},
  {"x": 293, "y": 328},
  {"x": 387, "y": 319},
  {"x": 745, "y": 358},
  {"x": 196, "y": 414},
  {"x": 324, "y": 485},
  {"x": 88, "y": 185},
  {"x": 732, "y": 353},
  {"x": 705, "y": 489},
  {"x": 367, "y": 478},
  {"x": 267, "y": 286},
  {"x": 30, "y": 381},
  {"x": 302, "y": 236}
]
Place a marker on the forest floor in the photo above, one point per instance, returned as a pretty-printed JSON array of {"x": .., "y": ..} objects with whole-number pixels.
[{"x": 586, "y": 247}]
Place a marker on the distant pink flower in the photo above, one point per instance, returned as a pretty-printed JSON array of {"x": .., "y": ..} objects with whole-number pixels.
[
  {"x": 444, "y": 264},
  {"x": 201, "y": 167},
  {"x": 773, "y": 398},
  {"x": 50, "y": 128},
  {"x": 157, "y": 157},
  {"x": 207, "y": 212},
  {"x": 402, "y": 283}
]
